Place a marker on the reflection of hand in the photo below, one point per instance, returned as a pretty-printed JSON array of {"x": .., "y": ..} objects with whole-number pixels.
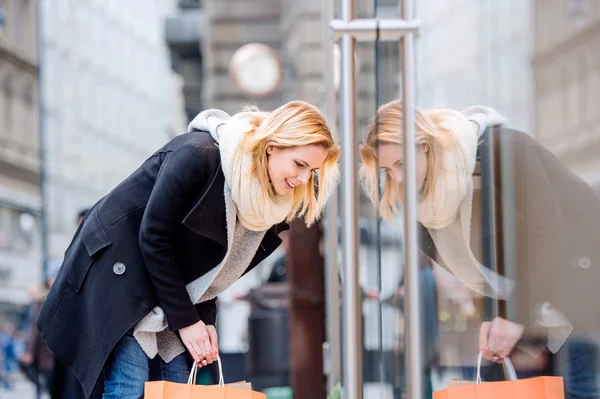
[
  {"x": 27, "y": 359},
  {"x": 498, "y": 338},
  {"x": 400, "y": 291},
  {"x": 372, "y": 294}
]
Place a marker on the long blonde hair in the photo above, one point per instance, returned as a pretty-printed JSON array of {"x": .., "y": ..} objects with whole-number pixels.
[
  {"x": 294, "y": 124},
  {"x": 433, "y": 129}
]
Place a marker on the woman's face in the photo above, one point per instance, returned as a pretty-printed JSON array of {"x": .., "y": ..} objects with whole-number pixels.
[
  {"x": 390, "y": 160},
  {"x": 291, "y": 167}
]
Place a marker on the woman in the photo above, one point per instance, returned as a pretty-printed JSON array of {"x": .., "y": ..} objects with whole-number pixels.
[
  {"x": 553, "y": 235},
  {"x": 144, "y": 269}
]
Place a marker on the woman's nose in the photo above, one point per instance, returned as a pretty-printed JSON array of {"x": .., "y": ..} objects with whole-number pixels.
[
  {"x": 303, "y": 177},
  {"x": 397, "y": 176}
]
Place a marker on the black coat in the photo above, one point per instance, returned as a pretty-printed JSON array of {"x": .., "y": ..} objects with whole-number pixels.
[{"x": 138, "y": 247}]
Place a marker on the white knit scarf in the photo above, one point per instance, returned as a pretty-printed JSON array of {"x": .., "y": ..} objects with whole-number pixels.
[{"x": 255, "y": 212}]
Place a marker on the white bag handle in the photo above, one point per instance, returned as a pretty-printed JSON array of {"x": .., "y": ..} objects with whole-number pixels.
[
  {"x": 194, "y": 372},
  {"x": 509, "y": 370}
]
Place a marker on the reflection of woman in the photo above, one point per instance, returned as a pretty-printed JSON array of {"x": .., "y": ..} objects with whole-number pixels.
[
  {"x": 144, "y": 269},
  {"x": 555, "y": 224}
]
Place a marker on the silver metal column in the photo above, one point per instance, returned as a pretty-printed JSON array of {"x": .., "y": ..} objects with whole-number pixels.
[
  {"x": 352, "y": 337},
  {"x": 414, "y": 365},
  {"x": 349, "y": 30},
  {"x": 331, "y": 348}
]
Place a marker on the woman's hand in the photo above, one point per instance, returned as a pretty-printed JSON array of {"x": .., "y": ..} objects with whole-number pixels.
[
  {"x": 498, "y": 338},
  {"x": 214, "y": 342},
  {"x": 198, "y": 339}
]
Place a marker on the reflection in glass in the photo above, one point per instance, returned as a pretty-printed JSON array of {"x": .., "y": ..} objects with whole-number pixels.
[{"x": 554, "y": 217}]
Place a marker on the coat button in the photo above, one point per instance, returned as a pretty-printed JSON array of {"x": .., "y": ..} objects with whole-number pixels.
[
  {"x": 585, "y": 262},
  {"x": 119, "y": 268}
]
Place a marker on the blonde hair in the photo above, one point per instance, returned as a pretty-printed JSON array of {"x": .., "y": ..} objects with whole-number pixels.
[
  {"x": 433, "y": 129},
  {"x": 294, "y": 124}
]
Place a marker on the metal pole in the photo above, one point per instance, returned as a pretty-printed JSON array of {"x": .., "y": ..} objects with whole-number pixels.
[
  {"x": 368, "y": 29},
  {"x": 332, "y": 348},
  {"x": 352, "y": 342},
  {"x": 414, "y": 366},
  {"x": 42, "y": 138}
]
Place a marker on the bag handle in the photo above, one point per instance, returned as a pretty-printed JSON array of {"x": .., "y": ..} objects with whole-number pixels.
[
  {"x": 509, "y": 370},
  {"x": 194, "y": 373}
]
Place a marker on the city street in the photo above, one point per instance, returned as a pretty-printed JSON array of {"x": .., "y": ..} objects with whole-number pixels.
[{"x": 22, "y": 390}]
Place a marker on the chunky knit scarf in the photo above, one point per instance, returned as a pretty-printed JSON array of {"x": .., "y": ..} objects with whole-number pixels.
[{"x": 255, "y": 212}]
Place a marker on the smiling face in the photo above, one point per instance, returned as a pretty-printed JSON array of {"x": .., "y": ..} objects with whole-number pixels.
[
  {"x": 390, "y": 160},
  {"x": 291, "y": 167}
]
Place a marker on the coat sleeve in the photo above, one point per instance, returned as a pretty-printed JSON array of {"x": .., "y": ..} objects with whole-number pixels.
[
  {"x": 544, "y": 221},
  {"x": 540, "y": 215},
  {"x": 207, "y": 311},
  {"x": 181, "y": 178}
]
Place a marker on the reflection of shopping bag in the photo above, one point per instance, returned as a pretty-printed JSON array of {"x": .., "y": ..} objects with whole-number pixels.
[
  {"x": 172, "y": 390},
  {"x": 530, "y": 388}
]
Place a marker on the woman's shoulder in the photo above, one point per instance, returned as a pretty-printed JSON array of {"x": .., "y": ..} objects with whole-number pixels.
[
  {"x": 201, "y": 140},
  {"x": 196, "y": 141},
  {"x": 505, "y": 138}
]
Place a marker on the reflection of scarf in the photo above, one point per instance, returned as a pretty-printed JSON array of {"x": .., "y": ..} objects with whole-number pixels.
[
  {"x": 255, "y": 212},
  {"x": 447, "y": 214}
]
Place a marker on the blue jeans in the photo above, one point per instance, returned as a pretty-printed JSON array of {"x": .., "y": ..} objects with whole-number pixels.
[
  {"x": 128, "y": 368},
  {"x": 578, "y": 364}
]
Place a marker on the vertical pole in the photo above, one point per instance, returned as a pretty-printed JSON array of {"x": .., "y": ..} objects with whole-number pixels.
[
  {"x": 414, "y": 366},
  {"x": 352, "y": 339},
  {"x": 42, "y": 137},
  {"x": 332, "y": 350}
]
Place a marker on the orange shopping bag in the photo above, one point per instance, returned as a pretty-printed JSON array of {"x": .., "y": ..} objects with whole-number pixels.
[
  {"x": 530, "y": 388},
  {"x": 173, "y": 390}
]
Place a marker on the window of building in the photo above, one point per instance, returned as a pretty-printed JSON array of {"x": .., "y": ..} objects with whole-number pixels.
[{"x": 17, "y": 229}]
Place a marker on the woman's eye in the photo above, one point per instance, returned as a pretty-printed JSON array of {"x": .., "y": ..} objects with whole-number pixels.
[{"x": 298, "y": 164}]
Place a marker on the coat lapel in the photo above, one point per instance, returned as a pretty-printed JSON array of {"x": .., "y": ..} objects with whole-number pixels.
[
  {"x": 198, "y": 287},
  {"x": 207, "y": 217}
]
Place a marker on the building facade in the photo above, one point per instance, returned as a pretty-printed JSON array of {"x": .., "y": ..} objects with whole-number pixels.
[
  {"x": 109, "y": 100},
  {"x": 473, "y": 52},
  {"x": 567, "y": 83},
  {"x": 20, "y": 197}
]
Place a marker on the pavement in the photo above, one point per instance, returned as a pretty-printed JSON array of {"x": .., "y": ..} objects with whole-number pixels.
[{"x": 22, "y": 389}]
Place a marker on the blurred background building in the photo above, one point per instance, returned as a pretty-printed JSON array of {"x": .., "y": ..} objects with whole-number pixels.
[
  {"x": 109, "y": 100},
  {"x": 474, "y": 52},
  {"x": 20, "y": 195},
  {"x": 566, "y": 66}
]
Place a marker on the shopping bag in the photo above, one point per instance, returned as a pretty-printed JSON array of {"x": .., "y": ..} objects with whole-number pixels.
[
  {"x": 173, "y": 390},
  {"x": 512, "y": 388}
]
